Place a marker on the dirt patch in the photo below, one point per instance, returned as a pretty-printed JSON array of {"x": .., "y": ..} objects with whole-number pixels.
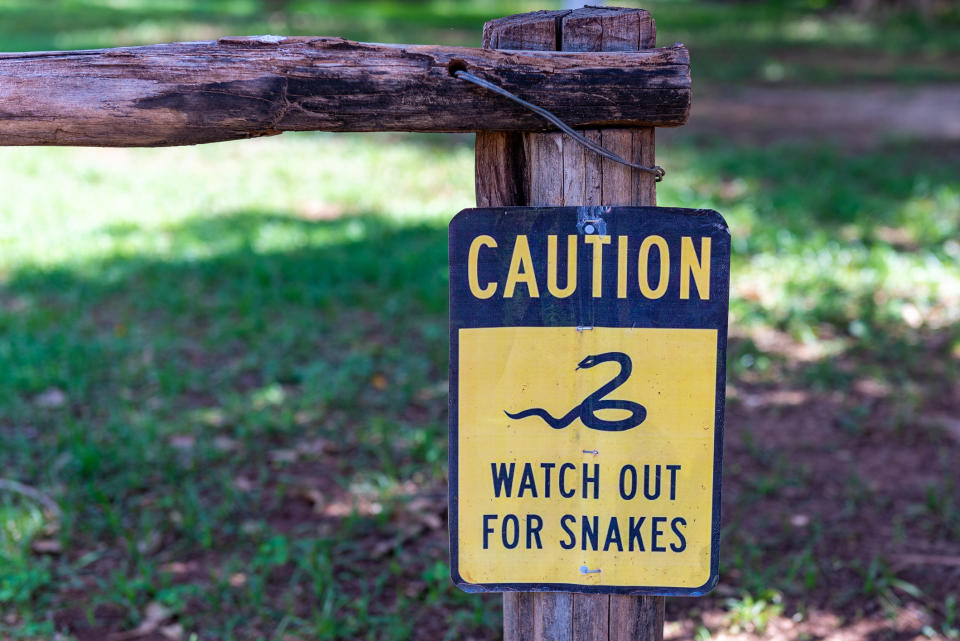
[{"x": 850, "y": 530}]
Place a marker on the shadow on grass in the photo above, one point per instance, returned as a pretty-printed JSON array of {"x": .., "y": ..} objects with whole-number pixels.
[{"x": 197, "y": 409}]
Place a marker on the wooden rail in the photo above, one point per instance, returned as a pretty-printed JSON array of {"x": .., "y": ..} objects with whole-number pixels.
[{"x": 198, "y": 92}]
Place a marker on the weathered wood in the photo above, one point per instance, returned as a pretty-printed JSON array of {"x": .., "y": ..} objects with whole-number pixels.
[
  {"x": 551, "y": 169},
  {"x": 554, "y": 617},
  {"x": 562, "y": 172},
  {"x": 187, "y": 93},
  {"x": 608, "y": 29},
  {"x": 636, "y": 618},
  {"x": 535, "y": 31},
  {"x": 589, "y": 621},
  {"x": 518, "y": 616},
  {"x": 501, "y": 167}
]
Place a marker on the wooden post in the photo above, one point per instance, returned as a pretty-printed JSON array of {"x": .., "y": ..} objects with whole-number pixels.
[{"x": 550, "y": 169}]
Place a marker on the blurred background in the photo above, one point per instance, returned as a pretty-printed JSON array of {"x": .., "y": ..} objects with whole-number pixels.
[{"x": 228, "y": 364}]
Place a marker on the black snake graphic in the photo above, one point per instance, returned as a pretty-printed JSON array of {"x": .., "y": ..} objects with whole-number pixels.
[{"x": 586, "y": 411}]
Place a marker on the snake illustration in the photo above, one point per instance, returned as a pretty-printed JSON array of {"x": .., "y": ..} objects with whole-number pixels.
[{"x": 586, "y": 411}]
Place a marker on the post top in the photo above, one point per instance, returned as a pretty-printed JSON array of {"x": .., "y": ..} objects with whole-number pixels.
[{"x": 589, "y": 28}]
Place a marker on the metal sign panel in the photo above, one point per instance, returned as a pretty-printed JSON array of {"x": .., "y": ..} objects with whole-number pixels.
[{"x": 587, "y": 353}]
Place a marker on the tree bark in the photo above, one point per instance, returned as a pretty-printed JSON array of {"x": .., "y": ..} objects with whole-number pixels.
[{"x": 188, "y": 93}]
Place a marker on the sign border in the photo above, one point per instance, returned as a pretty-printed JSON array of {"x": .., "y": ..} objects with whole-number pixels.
[{"x": 453, "y": 434}]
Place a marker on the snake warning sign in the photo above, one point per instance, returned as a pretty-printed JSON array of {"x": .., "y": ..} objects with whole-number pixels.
[{"x": 587, "y": 351}]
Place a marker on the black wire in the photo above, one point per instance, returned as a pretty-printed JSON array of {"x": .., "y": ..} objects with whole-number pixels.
[{"x": 657, "y": 171}]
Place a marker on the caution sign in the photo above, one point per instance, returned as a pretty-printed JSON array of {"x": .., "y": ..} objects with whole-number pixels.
[{"x": 586, "y": 398}]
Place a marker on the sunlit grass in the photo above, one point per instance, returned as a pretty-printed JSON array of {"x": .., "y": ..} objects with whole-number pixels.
[
  {"x": 192, "y": 339},
  {"x": 882, "y": 238},
  {"x": 71, "y": 206},
  {"x": 19, "y": 523},
  {"x": 757, "y": 42},
  {"x": 202, "y": 316},
  {"x": 74, "y": 207},
  {"x": 21, "y": 576},
  {"x": 824, "y": 239}
]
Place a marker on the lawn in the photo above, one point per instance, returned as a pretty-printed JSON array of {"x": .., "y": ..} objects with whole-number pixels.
[{"x": 228, "y": 364}]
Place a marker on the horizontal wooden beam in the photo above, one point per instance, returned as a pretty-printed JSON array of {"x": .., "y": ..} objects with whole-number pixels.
[{"x": 197, "y": 92}]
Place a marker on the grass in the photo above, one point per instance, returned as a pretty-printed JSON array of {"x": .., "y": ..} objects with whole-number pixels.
[
  {"x": 203, "y": 340},
  {"x": 775, "y": 42},
  {"x": 200, "y": 357},
  {"x": 801, "y": 43},
  {"x": 228, "y": 363}
]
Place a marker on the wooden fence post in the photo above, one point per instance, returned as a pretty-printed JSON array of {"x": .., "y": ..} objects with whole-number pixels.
[{"x": 550, "y": 169}]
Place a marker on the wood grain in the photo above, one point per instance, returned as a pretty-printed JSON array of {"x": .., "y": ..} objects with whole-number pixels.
[
  {"x": 503, "y": 178},
  {"x": 636, "y": 618},
  {"x": 519, "y": 617},
  {"x": 590, "y": 622},
  {"x": 501, "y": 169},
  {"x": 605, "y": 29},
  {"x": 550, "y": 169},
  {"x": 187, "y": 93},
  {"x": 554, "y": 616},
  {"x": 535, "y": 31}
]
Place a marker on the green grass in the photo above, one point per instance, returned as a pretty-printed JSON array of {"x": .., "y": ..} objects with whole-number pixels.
[
  {"x": 211, "y": 314},
  {"x": 772, "y": 42},
  {"x": 208, "y": 327},
  {"x": 802, "y": 43},
  {"x": 228, "y": 363}
]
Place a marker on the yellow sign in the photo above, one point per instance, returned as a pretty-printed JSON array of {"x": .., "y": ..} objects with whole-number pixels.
[
  {"x": 538, "y": 501},
  {"x": 584, "y": 457}
]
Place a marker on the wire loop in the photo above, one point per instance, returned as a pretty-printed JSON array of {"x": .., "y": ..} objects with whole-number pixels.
[{"x": 657, "y": 171}]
